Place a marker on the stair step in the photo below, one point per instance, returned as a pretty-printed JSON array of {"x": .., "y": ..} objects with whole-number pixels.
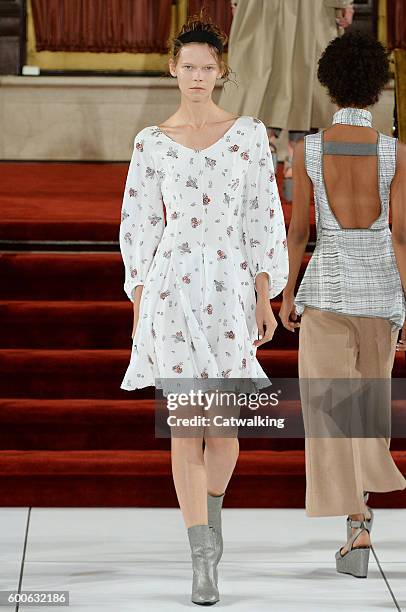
[
  {"x": 67, "y": 276},
  {"x": 99, "y": 373},
  {"x": 143, "y": 478},
  {"x": 66, "y": 196},
  {"x": 139, "y": 478},
  {"x": 94, "y": 373},
  {"x": 86, "y": 324},
  {"x": 80, "y": 424}
]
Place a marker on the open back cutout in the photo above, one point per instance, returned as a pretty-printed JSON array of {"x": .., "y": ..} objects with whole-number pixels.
[{"x": 350, "y": 167}]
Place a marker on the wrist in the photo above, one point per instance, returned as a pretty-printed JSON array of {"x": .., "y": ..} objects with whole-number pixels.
[{"x": 264, "y": 301}]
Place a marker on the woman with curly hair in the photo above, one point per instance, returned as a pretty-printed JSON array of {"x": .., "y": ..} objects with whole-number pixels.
[
  {"x": 351, "y": 298},
  {"x": 201, "y": 285}
]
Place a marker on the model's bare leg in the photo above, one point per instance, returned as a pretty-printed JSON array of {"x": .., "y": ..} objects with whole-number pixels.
[
  {"x": 220, "y": 457},
  {"x": 196, "y": 473},
  {"x": 189, "y": 477},
  {"x": 221, "y": 451}
]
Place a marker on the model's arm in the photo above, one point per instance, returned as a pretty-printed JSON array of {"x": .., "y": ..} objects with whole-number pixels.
[
  {"x": 264, "y": 233},
  {"x": 398, "y": 209},
  {"x": 263, "y": 221},
  {"x": 298, "y": 233},
  {"x": 142, "y": 221}
]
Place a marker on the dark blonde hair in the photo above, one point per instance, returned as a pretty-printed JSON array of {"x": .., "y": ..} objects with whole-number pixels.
[{"x": 202, "y": 22}]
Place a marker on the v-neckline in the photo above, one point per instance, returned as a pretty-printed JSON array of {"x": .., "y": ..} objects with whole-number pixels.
[{"x": 206, "y": 148}]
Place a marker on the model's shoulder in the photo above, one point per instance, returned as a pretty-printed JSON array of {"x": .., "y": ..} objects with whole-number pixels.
[
  {"x": 401, "y": 152},
  {"x": 146, "y": 134},
  {"x": 253, "y": 127},
  {"x": 252, "y": 122}
]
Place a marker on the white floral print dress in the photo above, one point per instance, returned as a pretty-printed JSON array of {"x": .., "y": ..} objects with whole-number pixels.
[{"x": 224, "y": 225}]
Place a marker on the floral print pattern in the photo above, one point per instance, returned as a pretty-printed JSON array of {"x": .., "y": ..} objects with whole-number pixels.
[{"x": 224, "y": 225}]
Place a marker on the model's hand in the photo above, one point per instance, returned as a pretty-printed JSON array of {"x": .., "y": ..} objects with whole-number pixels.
[
  {"x": 266, "y": 321},
  {"x": 287, "y": 310},
  {"x": 401, "y": 344}
]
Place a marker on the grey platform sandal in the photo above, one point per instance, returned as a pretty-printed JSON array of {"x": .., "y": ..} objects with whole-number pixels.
[
  {"x": 368, "y": 522},
  {"x": 204, "y": 554},
  {"x": 214, "y": 505},
  {"x": 355, "y": 560}
]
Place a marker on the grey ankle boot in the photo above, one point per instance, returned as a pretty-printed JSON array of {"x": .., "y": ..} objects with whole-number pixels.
[
  {"x": 214, "y": 505},
  {"x": 203, "y": 552}
]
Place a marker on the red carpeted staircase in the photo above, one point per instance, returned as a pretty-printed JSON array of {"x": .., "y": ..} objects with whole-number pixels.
[{"x": 69, "y": 435}]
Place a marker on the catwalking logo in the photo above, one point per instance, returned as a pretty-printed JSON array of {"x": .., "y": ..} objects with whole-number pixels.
[{"x": 221, "y": 421}]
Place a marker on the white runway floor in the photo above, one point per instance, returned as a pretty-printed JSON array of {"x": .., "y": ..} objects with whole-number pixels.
[{"x": 138, "y": 559}]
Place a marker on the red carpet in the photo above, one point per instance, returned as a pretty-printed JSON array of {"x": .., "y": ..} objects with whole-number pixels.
[{"x": 69, "y": 435}]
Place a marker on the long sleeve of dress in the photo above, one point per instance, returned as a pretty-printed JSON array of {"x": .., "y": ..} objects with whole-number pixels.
[
  {"x": 142, "y": 217},
  {"x": 264, "y": 233}
]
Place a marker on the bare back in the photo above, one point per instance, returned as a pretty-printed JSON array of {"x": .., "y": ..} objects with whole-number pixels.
[{"x": 350, "y": 171}]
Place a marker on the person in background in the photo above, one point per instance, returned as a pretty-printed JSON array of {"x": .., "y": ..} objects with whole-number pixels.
[
  {"x": 273, "y": 49},
  {"x": 352, "y": 296}
]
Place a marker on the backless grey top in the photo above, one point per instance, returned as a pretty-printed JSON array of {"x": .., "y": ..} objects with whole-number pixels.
[{"x": 352, "y": 271}]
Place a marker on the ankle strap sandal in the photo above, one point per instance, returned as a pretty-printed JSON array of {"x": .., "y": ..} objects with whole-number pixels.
[
  {"x": 355, "y": 560},
  {"x": 369, "y": 521}
]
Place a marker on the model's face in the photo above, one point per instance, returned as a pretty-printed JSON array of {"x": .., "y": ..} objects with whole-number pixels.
[{"x": 196, "y": 70}]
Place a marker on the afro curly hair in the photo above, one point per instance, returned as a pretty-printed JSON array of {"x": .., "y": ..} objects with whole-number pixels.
[{"x": 354, "y": 68}]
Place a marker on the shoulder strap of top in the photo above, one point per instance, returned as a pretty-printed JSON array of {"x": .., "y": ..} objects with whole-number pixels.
[
  {"x": 312, "y": 154},
  {"x": 387, "y": 158}
]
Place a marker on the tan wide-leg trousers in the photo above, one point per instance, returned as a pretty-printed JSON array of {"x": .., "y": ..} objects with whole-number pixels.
[{"x": 340, "y": 469}]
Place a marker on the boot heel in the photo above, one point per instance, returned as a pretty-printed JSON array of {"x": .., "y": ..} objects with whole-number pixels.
[{"x": 203, "y": 553}]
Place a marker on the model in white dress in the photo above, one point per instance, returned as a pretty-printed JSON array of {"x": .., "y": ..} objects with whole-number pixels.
[{"x": 224, "y": 225}]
